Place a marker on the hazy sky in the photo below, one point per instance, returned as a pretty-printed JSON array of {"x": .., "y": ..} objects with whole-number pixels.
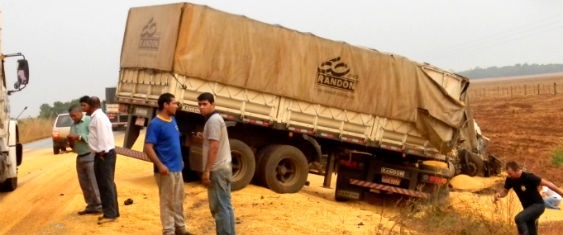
[{"x": 73, "y": 46}]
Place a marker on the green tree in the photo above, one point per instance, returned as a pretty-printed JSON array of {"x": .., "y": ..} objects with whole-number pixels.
[{"x": 47, "y": 111}]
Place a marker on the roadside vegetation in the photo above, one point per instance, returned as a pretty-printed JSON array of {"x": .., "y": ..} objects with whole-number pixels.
[
  {"x": 40, "y": 127},
  {"x": 557, "y": 157},
  {"x": 32, "y": 129},
  {"x": 460, "y": 215}
]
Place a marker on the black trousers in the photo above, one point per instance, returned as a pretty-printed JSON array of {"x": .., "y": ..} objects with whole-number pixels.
[
  {"x": 526, "y": 220},
  {"x": 104, "y": 167}
]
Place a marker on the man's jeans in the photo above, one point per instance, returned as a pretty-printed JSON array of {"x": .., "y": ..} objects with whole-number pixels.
[
  {"x": 219, "y": 195},
  {"x": 526, "y": 219}
]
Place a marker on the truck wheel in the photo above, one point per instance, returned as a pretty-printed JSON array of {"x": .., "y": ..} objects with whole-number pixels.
[
  {"x": 243, "y": 163},
  {"x": 56, "y": 150},
  {"x": 470, "y": 169},
  {"x": 10, "y": 184},
  {"x": 285, "y": 169},
  {"x": 474, "y": 166},
  {"x": 259, "y": 172}
]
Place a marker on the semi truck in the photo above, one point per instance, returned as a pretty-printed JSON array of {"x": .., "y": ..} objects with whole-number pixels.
[
  {"x": 11, "y": 151},
  {"x": 116, "y": 113},
  {"x": 296, "y": 103}
]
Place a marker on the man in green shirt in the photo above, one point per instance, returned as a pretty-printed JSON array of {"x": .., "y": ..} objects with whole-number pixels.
[{"x": 78, "y": 139}]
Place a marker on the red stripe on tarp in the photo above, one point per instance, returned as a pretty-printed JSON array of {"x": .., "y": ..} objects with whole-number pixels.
[
  {"x": 377, "y": 186},
  {"x": 132, "y": 153}
]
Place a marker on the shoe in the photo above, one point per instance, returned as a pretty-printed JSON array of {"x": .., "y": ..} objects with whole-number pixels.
[
  {"x": 103, "y": 220},
  {"x": 86, "y": 212},
  {"x": 183, "y": 233}
]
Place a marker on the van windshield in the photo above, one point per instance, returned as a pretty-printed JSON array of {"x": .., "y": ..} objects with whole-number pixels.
[{"x": 63, "y": 121}]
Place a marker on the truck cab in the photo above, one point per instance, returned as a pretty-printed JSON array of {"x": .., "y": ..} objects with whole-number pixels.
[{"x": 11, "y": 153}]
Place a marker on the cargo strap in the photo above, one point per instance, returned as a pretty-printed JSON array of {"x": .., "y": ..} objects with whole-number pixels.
[
  {"x": 383, "y": 187},
  {"x": 132, "y": 153}
]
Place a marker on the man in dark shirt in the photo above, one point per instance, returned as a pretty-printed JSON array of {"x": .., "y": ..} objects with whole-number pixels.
[{"x": 525, "y": 185}]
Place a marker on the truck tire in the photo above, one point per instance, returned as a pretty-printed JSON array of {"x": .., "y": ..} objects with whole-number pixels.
[
  {"x": 285, "y": 169},
  {"x": 243, "y": 163},
  {"x": 259, "y": 172},
  {"x": 474, "y": 166},
  {"x": 19, "y": 154},
  {"x": 9, "y": 185},
  {"x": 56, "y": 150}
]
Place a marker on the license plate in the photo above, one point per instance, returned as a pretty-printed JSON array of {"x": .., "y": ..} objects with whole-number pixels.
[
  {"x": 392, "y": 172},
  {"x": 189, "y": 108},
  {"x": 390, "y": 180},
  {"x": 140, "y": 121},
  {"x": 348, "y": 194}
]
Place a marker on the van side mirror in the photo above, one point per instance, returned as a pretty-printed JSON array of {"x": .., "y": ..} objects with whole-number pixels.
[{"x": 23, "y": 74}]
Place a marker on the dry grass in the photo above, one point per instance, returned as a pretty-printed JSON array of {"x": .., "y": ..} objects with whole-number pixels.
[
  {"x": 466, "y": 214},
  {"x": 32, "y": 129}
]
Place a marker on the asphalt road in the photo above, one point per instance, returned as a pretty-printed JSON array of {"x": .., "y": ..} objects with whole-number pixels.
[{"x": 47, "y": 142}]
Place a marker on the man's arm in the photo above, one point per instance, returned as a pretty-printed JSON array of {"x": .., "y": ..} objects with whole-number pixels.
[
  {"x": 211, "y": 157},
  {"x": 551, "y": 186},
  {"x": 149, "y": 150},
  {"x": 501, "y": 194}
]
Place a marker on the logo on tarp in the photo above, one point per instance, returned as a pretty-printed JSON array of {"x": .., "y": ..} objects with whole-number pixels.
[
  {"x": 149, "y": 36},
  {"x": 336, "y": 74}
]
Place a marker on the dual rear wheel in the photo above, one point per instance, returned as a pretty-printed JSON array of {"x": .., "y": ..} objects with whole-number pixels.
[{"x": 282, "y": 168}]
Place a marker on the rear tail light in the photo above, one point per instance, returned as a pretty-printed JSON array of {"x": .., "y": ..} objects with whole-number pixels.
[
  {"x": 56, "y": 135},
  {"x": 437, "y": 180},
  {"x": 350, "y": 164}
]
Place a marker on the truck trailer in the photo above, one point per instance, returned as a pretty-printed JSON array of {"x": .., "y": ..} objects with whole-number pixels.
[{"x": 296, "y": 103}]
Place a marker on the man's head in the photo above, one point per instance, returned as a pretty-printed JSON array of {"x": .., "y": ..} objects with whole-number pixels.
[
  {"x": 513, "y": 170},
  {"x": 206, "y": 103},
  {"x": 94, "y": 103},
  {"x": 84, "y": 103},
  {"x": 167, "y": 103},
  {"x": 75, "y": 113}
]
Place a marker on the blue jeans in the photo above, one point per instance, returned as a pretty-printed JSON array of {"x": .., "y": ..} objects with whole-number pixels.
[
  {"x": 526, "y": 219},
  {"x": 219, "y": 195}
]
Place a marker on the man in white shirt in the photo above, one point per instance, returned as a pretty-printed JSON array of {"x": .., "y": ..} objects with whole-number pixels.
[{"x": 102, "y": 144}]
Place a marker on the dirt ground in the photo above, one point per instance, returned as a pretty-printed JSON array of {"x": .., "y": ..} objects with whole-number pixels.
[
  {"x": 48, "y": 198},
  {"x": 527, "y": 129}
]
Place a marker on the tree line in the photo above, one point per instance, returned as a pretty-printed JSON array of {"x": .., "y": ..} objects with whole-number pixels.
[
  {"x": 48, "y": 111},
  {"x": 510, "y": 71}
]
